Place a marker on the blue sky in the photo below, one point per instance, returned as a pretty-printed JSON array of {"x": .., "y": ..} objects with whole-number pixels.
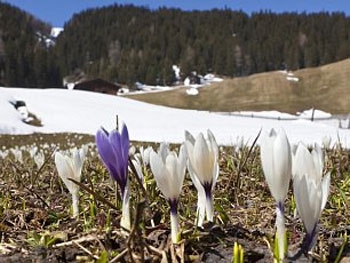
[{"x": 58, "y": 12}]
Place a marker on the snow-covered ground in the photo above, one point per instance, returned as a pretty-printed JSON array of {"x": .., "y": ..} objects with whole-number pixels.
[
  {"x": 307, "y": 114},
  {"x": 192, "y": 89},
  {"x": 63, "y": 110}
]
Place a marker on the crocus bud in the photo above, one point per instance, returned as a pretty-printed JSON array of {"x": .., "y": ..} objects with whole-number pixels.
[
  {"x": 169, "y": 173},
  {"x": 204, "y": 169},
  {"x": 69, "y": 167},
  {"x": 276, "y": 162},
  {"x": 113, "y": 149},
  {"x": 311, "y": 189},
  {"x": 39, "y": 159}
]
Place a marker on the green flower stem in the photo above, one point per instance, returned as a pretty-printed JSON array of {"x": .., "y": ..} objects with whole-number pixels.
[{"x": 280, "y": 223}]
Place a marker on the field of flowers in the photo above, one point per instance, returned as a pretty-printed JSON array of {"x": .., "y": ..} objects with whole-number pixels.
[{"x": 46, "y": 217}]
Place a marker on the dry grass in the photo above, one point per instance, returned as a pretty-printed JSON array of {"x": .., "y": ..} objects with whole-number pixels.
[
  {"x": 326, "y": 88},
  {"x": 36, "y": 223}
]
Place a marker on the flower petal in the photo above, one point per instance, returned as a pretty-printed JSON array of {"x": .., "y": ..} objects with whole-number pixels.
[
  {"x": 282, "y": 165},
  {"x": 125, "y": 143},
  {"x": 174, "y": 179},
  {"x": 276, "y": 162},
  {"x": 201, "y": 203},
  {"x": 308, "y": 201},
  {"x": 163, "y": 150},
  {"x": 160, "y": 173},
  {"x": 189, "y": 137},
  {"x": 213, "y": 143},
  {"x": 156, "y": 163},
  {"x": 138, "y": 168},
  {"x": 145, "y": 155},
  {"x": 105, "y": 149},
  {"x": 201, "y": 160},
  {"x": 266, "y": 154},
  {"x": 169, "y": 172},
  {"x": 77, "y": 164},
  {"x": 182, "y": 160},
  {"x": 65, "y": 171},
  {"x": 302, "y": 202},
  {"x": 318, "y": 159},
  {"x": 325, "y": 189},
  {"x": 118, "y": 161},
  {"x": 304, "y": 162}
]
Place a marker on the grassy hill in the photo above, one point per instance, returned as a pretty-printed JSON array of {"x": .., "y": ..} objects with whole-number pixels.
[{"x": 326, "y": 88}]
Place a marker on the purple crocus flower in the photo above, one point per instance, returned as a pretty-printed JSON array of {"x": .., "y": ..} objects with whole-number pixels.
[{"x": 113, "y": 149}]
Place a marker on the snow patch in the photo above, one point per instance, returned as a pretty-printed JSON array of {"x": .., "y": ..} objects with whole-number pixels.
[
  {"x": 176, "y": 70},
  {"x": 55, "y": 31},
  {"x": 192, "y": 91},
  {"x": 62, "y": 110},
  {"x": 211, "y": 78},
  {"x": 314, "y": 114},
  {"x": 294, "y": 79}
]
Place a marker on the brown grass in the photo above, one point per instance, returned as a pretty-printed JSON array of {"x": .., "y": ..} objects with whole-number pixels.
[
  {"x": 36, "y": 223},
  {"x": 326, "y": 88}
]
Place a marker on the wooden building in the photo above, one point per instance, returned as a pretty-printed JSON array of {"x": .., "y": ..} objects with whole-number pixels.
[{"x": 98, "y": 85}]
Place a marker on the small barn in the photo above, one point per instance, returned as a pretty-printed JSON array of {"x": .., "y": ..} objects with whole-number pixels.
[{"x": 98, "y": 85}]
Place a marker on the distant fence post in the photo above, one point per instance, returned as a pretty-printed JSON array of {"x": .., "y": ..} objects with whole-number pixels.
[{"x": 312, "y": 114}]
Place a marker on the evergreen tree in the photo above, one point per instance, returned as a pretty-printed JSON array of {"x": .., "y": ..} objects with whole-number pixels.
[{"x": 126, "y": 44}]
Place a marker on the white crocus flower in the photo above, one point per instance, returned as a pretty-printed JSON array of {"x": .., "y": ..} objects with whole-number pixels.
[
  {"x": 39, "y": 159},
  {"x": 145, "y": 155},
  {"x": 136, "y": 161},
  {"x": 204, "y": 170},
  {"x": 33, "y": 150},
  {"x": 4, "y": 154},
  {"x": 70, "y": 166},
  {"x": 141, "y": 161},
  {"x": 17, "y": 153},
  {"x": 132, "y": 150},
  {"x": 169, "y": 173},
  {"x": 310, "y": 189},
  {"x": 276, "y": 162},
  {"x": 326, "y": 142}
]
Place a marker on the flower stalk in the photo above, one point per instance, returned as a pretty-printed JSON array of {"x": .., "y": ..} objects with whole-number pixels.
[
  {"x": 125, "y": 221},
  {"x": 174, "y": 222},
  {"x": 281, "y": 230},
  {"x": 75, "y": 203}
]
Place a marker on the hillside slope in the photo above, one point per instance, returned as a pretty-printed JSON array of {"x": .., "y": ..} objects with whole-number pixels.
[
  {"x": 326, "y": 88},
  {"x": 26, "y": 57}
]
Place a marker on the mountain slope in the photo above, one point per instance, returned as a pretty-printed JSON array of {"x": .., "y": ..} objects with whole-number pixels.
[
  {"x": 326, "y": 88},
  {"x": 25, "y": 58},
  {"x": 129, "y": 44}
]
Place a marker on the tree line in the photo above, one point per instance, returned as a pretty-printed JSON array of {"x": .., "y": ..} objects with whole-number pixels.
[{"x": 128, "y": 44}]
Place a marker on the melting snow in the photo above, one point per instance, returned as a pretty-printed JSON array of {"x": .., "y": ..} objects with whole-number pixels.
[
  {"x": 63, "y": 110},
  {"x": 192, "y": 91}
]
